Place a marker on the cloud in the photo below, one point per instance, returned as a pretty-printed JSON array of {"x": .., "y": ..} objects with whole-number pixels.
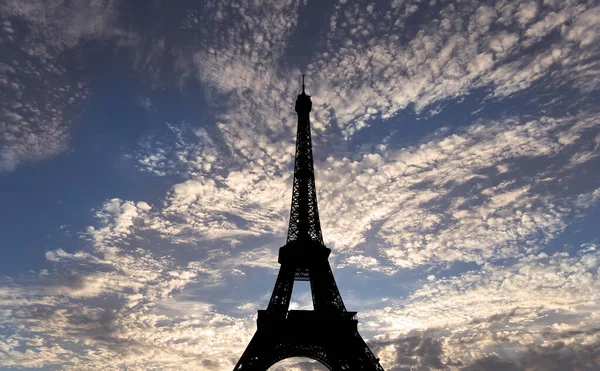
[
  {"x": 476, "y": 174},
  {"x": 54, "y": 27},
  {"x": 117, "y": 218},
  {"x": 42, "y": 94},
  {"x": 420, "y": 200},
  {"x": 418, "y": 352},
  {"x": 556, "y": 282},
  {"x": 459, "y": 197},
  {"x": 444, "y": 193},
  {"x": 298, "y": 364},
  {"x": 36, "y": 113},
  {"x": 119, "y": 301},
  {"x": 457, "y": 48},
  {"x": 497, "y": 316},
  {"x": 185, "y": 151},
  {"x": 493, "y": 192}
]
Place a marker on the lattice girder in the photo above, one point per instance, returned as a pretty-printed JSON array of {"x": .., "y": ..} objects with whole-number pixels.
[
  {"x": 334, "y": 342},
  {"x": 306, "y": 262},
  {"x": 304, "y": 212}
]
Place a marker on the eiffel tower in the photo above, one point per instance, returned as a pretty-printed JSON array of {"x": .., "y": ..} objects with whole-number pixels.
[{"x": 327, "y": 334}]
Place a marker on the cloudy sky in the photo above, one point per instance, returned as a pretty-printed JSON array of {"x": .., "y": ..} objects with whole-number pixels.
[{"x": 146, "y": 153}]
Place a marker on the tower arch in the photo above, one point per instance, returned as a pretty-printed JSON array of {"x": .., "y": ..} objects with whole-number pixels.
[{"x": 322, "y": 366}]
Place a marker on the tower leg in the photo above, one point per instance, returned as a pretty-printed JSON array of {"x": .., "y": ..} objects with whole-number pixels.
[
  {"x": 336, "y": 344},
  {"x": 282, "y": 293}
]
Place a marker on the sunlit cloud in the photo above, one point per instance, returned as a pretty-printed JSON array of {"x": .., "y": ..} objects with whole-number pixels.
[{"x": 469, "y": 232}]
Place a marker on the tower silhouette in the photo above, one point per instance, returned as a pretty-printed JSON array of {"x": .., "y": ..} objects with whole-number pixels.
[{"x": 328, "y": 333}]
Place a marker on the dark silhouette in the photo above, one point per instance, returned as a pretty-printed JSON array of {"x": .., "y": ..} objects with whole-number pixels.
[{"x": 328, "y": 333}]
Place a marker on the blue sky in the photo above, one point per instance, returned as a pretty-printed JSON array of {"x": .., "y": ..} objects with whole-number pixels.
[{"x": 146, "y": 154}]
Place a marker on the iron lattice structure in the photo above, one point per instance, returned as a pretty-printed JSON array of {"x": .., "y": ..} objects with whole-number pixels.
[
  {"x": 328, "y": 333},
  {"x": 304, "y": 214}
]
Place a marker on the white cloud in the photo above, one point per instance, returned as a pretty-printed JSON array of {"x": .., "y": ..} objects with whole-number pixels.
[
  {"x": 527, "y": 12},
  {"x": 135, "y": 324},
  {"x": 41, "y": 98},
  {"x": 452, "y": 53},
  {"x": 465, "y": 196},
  {"x": 34, "y": 117},
  {"x": 419, "y": 201},
  {"x": 375, "y": 77},
  {"x": 460, "y": 196},
  {"x": 117, "y": 218},
  {"x": 499, "y": 310}
]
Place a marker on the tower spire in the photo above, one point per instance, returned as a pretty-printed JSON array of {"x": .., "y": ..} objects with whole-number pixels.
[
  {"x": 304, "y": 215},
  {"x": 303, "y": 84}
]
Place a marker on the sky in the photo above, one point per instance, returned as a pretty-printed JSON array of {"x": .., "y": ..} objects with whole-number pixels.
[{"x": 146, "y": 155}]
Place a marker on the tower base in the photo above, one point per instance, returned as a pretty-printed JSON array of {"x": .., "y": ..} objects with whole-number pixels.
[{"x": 331, "y": 339}]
